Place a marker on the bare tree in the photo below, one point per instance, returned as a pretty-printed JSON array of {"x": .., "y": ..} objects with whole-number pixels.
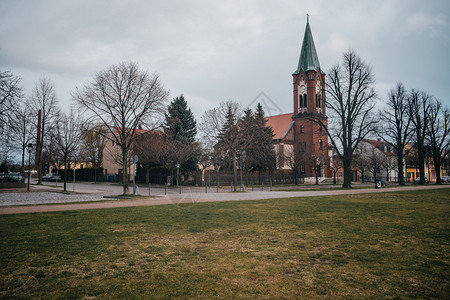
[
  {"x": 390, "y": 164},
  {"x": 23, "y": 130},
  {"x": 43, "y": 98},
  {"x": 419, "y": 108},
  {"x": 396, "y": 129},
  {"x": 214, "y": 119},
  {"x": 375, "y": 160},
  {"x": 123, "y": 98},
  {"x": 318, "y": 162},
  {"x": 350, "y": 103},
  {"x": 93, "y": 143},
  {"x": 335, "y": 166},
  {"x": 10, "y": 92},
  {"x": 438, "y": 135},
  {"x": 68, "y": 137},
  {"x": 361, "y": 163},
  {"x": 295, "y": 159}
]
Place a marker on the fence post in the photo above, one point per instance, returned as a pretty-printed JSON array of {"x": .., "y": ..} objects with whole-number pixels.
[
  {"x": 149, "y": 188},
  {"x": 165, "y": 189}
]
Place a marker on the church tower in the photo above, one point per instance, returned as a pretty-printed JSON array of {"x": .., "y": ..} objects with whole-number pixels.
[{"x": 310, "y": 139}]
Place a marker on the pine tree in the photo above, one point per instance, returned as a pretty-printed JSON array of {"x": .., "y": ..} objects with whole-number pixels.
[
  {"x": 229, "y": 140},
  {"x": 180, "y": 123},
  {"x": 181, "y": 126},
  {"x": 263, "y": 156}
]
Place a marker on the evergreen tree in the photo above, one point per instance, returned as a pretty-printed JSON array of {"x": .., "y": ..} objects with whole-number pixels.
[
  {"x": 180, "y": 123},
  {"x": 257, "y": 141},
  {"x": 181, "y": 126},
  {"x": 228, "y": 144}
]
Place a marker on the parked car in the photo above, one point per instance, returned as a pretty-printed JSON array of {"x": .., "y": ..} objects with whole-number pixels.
[
  {"x": 418, "y": 180},
  {"x": 445, "y": 179},
  {"x": 15, "y": 177},
  {"x": 51, "y": 177}
]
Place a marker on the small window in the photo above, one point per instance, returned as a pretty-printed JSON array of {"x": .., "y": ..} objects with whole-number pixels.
[
  {"x": 305, "y": 101},
  {"x": 320, "y": 129},
  {"x": 300, "y": 100},
  {"x": 340, "y": 174},
  {"x": 320, "y": 144},
  {"x": 302, "y": 129}
]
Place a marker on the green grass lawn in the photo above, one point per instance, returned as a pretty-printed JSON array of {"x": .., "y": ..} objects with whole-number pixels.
[{"x": 390, "y": 245}]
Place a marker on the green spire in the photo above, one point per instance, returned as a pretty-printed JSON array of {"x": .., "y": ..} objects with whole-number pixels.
[{"x": 308, "y": 56}]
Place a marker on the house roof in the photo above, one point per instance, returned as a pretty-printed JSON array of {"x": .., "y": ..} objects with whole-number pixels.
[
  {"x": 308, "y": 56},
  {"x": 380, "y": 145},
  {"x": 281, "y": 124}
]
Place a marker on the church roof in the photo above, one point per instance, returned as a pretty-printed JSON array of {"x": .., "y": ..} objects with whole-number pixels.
[
  {"x": 281, "y": 124},
  {"x": 308, "y": 56}
]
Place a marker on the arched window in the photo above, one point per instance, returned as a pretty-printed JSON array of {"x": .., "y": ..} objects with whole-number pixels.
[
  {"x": 302, "y": 129},
  {"x": 300, "y": 100},
  {"x": 305, "y": 101},
  {"x": 320, "y": 144}
]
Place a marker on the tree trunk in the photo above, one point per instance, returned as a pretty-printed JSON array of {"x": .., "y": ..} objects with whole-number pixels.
[
  {"x": 422, "y": 167},
  {"x": 23, "y": 162},
  {"x": 234, "y": 171},
  {"x": 65, "y": 175},
  {"x": 401, "y": 175},
  {"x": 347, "y": 172},
  {"x": 437, "y": 168},
  {"x": 125, "y": 171}
]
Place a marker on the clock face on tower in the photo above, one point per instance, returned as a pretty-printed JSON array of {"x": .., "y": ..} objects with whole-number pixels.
[
  {"x": 303, "y": 88},
  {"x": 318, "y": 87}
]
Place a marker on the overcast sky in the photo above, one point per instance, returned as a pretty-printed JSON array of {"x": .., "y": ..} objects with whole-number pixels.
[{"x": 214, "y": 51}]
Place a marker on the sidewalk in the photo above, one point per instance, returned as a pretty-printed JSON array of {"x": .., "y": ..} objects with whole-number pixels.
[{"x": 19, "y": 202}]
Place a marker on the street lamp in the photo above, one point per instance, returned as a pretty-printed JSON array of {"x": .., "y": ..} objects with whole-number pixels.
[{"x": 30, "y": 148}]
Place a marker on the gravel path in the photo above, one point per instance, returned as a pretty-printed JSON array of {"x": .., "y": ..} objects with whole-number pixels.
[
  {"x": 26, "y": 202},
  {"x": 13, "y": 199}
]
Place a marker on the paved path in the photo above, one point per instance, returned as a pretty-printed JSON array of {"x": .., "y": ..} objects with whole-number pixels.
[{"x": 22, "y": 202}]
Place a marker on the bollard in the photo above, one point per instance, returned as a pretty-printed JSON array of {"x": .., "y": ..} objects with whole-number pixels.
[{"x": 165, "y": 189}]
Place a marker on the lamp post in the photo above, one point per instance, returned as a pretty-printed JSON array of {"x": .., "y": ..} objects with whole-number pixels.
[
  {"x": 30, "y": 148},
  {"x": 74, "y": 167}
]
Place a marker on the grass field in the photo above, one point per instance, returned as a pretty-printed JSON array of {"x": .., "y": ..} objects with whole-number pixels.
[{"x": 389, "y": 245}]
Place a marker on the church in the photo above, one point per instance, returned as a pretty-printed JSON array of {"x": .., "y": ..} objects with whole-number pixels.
[{"x": 300, "y": 143}]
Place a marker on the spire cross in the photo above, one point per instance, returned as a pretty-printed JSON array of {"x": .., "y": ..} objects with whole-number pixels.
[{"x": 307, "y": 18}]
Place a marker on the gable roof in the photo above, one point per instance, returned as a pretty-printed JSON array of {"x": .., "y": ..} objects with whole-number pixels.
[
  {"x": 281, "y": 124},
  {"x": 308, "y": 56}
]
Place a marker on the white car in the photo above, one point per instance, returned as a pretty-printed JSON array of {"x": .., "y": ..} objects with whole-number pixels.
[
  {"x": 445, "y": 179},
  {"x": 51, "y": 177}
]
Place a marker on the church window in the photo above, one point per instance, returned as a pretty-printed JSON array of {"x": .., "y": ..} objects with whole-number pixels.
[
  {"x": 320, "y": 144},
  {"x": 302, "y": 129},
  {"x": 317, "y": 100},
  {"x": 302, "y": 146},
  {"x": 305, "y": 101},
  {"x": 300, "y": 97}
]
